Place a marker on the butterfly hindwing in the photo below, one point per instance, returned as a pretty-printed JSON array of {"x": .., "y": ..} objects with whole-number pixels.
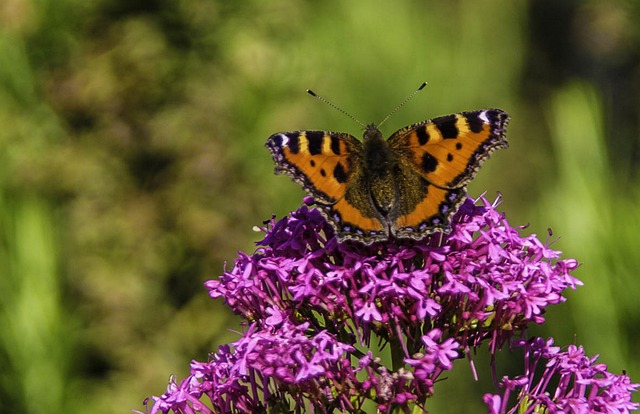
[
  {"x": 422, "y": 207},
  {"x": 448, "y": 150},
  {"x": 351, "y": 222}
]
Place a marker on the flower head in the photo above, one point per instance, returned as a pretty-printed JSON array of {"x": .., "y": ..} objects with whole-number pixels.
[
  {"x": 317, "y": 308},
  {"x": 579, "y": 384}
]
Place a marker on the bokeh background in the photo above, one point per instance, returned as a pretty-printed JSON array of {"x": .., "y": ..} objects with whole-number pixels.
[{"x": 132, "y": 165}]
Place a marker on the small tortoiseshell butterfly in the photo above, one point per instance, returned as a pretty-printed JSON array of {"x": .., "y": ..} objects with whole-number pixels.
[{"x": 407, "y": 186}]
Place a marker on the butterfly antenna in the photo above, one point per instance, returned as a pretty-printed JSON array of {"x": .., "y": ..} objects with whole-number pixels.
[
  {"x": 407, "y": 99},
  {"x": 312, "y": 93}
]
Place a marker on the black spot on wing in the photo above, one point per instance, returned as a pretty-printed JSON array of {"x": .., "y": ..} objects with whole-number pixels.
[
  {"x": 447, "y": 126},
  {"x": 339, "y": 174},
  {"x": 429, "y": 163},
  {"x": 294, "y": 142},
  {"x": 423, "y": 135},
  {"x": 315, "y": 139},
  {"x": 335, "y": 144},
  {"x": 474, "y": 121}
]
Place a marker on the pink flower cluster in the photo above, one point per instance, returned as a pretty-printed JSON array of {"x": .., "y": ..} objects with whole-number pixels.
[{"x": 320, "y": 314}]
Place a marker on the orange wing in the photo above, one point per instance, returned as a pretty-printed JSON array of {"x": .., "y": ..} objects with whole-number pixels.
[
  {"x": 351, "y": 222},
  {"x": 328, "y": 165},
  {"x": 320, "y": 161},
  {"x": 432, "y": 213},
  {"x": 449, "y": 150}
]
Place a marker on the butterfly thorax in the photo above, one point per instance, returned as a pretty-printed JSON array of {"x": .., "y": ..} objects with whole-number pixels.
[{"x": 380, "y": 166}]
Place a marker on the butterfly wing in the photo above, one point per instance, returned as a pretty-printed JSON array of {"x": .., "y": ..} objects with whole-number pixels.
[
  {"x": 449, "y": 150},
  {"x": 422, "y": 207},
  {"x": 328, "y": 165},
  {"x": 320, "y": 161},
  {"x": 437, "y": 158}
]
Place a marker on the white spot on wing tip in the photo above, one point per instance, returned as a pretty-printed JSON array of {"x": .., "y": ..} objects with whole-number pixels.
[
  {"x": 483, "y": 116},
  {"x": 285, "y": 140}
]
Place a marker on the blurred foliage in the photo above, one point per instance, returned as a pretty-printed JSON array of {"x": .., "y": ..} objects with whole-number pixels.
[{"x": 132, "y": 164}]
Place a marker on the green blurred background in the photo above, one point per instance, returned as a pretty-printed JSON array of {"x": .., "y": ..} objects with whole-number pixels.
[{"x": 132, "y": 165}]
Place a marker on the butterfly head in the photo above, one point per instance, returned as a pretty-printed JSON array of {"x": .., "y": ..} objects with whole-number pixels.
[{"x": 371, "y": 132}]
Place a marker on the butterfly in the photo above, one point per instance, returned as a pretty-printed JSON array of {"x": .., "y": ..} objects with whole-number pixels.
[{"x": 406, "y": 187}]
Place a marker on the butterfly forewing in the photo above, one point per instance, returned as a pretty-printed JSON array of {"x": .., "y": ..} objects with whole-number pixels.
[
  {"x": 448, "y": 150},
  {"x": 321, "y": 161}
]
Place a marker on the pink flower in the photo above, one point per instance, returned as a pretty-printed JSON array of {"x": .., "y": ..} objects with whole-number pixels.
[{"x": 317, "y": 308}]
